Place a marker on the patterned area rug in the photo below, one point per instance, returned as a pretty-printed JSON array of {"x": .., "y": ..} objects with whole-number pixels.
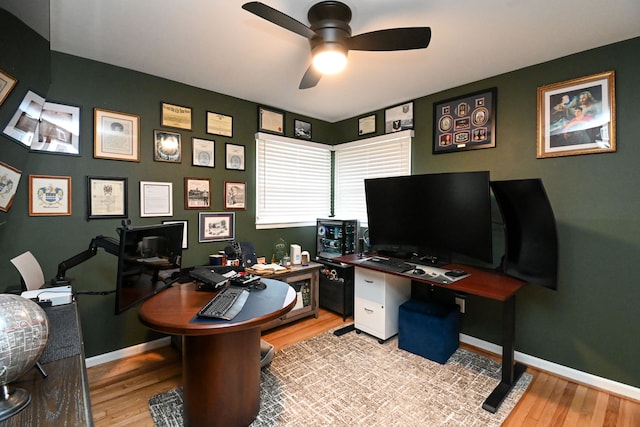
[{"x": 351, "y": 380}]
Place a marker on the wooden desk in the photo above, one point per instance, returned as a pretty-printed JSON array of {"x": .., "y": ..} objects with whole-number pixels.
[
  {"x": 220, "y": 359},
  {"x": 61, "y": 399},
  {"x": 485, "y": 284}
]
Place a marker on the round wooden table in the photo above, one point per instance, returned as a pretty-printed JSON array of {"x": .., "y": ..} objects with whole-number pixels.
[{"x": 220, "y": 359}]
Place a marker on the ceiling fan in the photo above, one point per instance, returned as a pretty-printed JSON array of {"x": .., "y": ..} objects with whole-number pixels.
[{"x": 330, "y": 36}]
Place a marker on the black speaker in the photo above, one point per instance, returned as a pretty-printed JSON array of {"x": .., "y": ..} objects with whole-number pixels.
[{"x": 248, "y": 254}]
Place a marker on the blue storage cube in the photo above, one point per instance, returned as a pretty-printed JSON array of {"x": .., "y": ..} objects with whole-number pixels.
[{"x": 429, "y": 329}]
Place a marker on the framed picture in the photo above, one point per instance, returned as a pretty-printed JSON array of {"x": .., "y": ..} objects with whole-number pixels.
[
  {"x": 302, "y": 129},
  {"x": 58, "y": 130},
  {"x": 23, "y": 126},
  {"x": 116, "y": 136},
  {"x": 6, "y": 85},
  {"x": 156, "y": 198},
  {"x": 107, "y": 197},
  {"x": 367, "y": 125},
  {"x": 203, "y": 152},
  {"x": 219, "y": 124},
  {"x": 175, "y": 116},
  {"x": 235, "y": 195},
  {"x": 49, "y": 195},
  {"x": 577, "y": 116},
  {"x": 185, "y": 232},
  {"x": 465, "y": 123},
  {"x": 9, "y": 179},
  {"x": 197, "y": 193},
  {"x": 167, "y": 146},
  {"x": 216, "y": 226},
  {"x": 234, "y": 157},
  {"x": 398, "y": 118},
  {"x": 270, "y": 121}
]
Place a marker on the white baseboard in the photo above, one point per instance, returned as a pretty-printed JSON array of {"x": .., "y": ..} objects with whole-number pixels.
[
  {"x": 126, "y": 352},
  {"x": 544, "y": 365},
  {"x": 560, "y": 370}
]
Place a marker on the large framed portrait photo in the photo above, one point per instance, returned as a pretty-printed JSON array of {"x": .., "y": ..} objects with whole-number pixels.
[{"x": 577, "y": 116}]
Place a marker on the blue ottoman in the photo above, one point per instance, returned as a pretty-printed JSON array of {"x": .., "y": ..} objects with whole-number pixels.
[{"x": 429, "y": 329}]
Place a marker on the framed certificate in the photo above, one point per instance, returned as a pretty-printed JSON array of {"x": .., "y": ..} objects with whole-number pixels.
[
  {"x": 219, "y": 124},
  {"x": 156, "y": 199},
  {"x": 271, "y": 121},
  {"x": 107, "y": 197},
  {"x": 49, "y": 195},
  {"x": 117, "y": 136}
]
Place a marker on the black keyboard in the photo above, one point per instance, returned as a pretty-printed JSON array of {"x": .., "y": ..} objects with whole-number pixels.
[
  {"x": 388, "y": 264},
  {"x": 226, "y": 304}
]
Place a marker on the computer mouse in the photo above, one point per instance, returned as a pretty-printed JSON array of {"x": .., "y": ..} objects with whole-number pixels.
[
  {"x": 455, "y": 273},
  {"x": 418, "y": 271},
  {"x": 258, "y": 286}
]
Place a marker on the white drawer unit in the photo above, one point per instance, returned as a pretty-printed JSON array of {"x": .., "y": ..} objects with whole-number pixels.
[{"x": 377, "y": 298}]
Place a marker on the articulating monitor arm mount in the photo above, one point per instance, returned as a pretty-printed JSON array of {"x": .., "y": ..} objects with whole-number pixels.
[{"x": 109, "y": 244}]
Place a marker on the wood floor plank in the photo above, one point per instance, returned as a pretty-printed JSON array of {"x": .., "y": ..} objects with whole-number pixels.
[
  {"x": 120, "y": 390},
  {"x": 575, "y": 409},
  {"x": 629, "y": 413}
]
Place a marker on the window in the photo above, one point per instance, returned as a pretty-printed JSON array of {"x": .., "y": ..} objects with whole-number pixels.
[
  {"x": 293, "y": 181},
  {"x": 377, "y": 157}
]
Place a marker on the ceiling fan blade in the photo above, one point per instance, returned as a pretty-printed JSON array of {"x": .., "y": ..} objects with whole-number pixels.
[
  {"x": 392, "y": 39},
  {"x": 278, "y": 18},
  {"x": 311, "y": 78}
]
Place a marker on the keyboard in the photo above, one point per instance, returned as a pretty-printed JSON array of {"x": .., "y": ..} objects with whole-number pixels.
[
  {"x": 226, "y": 304},
  {"x": 388, "y": 264}
]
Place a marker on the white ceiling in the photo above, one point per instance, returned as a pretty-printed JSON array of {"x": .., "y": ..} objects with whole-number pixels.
[{"x": 216, "y": 45}]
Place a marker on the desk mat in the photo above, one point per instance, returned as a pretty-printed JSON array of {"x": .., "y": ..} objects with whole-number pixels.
[
  {"x": 64, "y": 333},
  {"x": 259, "y": 303}
]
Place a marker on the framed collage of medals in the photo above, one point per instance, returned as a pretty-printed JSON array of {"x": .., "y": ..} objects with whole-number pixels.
[{"x": 465, "y": 123}]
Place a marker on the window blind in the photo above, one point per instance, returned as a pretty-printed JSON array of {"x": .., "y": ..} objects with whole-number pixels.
[
  {"x": 377, "y": 157},
  {"x": 293, "y": 185}
]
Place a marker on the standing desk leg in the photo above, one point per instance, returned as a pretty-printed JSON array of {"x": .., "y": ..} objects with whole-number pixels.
[{"x": 511, "y": 372}]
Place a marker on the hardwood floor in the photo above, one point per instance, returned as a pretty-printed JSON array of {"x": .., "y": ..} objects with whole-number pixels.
[{"x": 120, "y": 389}]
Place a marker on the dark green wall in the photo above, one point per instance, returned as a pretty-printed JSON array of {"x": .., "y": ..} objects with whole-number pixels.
[
  {"x": 589, "y": 324},
  {"x": 89, "y": 85}
]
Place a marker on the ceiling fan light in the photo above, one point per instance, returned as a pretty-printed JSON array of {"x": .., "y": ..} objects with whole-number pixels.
[{"x": 329, "y": 60}]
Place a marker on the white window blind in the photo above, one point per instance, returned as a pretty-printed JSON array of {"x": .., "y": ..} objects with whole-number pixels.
[
  {"x": 293, "y": 185},
  {"x": 377, "y": 157}
]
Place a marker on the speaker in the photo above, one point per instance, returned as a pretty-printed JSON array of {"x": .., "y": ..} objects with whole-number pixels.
[{"x": 248, "y": 254}]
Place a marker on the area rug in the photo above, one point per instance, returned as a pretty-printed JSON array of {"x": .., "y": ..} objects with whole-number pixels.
[{"x": 352, "y": 380}]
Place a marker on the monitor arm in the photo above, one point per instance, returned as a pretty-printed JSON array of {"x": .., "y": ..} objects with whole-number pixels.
[{"x": 109, "y": 244}]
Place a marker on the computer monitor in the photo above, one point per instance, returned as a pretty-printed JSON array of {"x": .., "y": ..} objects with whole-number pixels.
[
  {"x": 432, "y": 215},
  {"x": 531, "y": 251},
  {"x": 147, "y": 258}
]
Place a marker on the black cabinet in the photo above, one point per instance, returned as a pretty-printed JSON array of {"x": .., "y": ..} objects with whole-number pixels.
[{"x": 336, "y": 288}]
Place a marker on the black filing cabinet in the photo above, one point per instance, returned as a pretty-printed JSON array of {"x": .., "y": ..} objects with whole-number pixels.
[{"x": 336, "y": 288}]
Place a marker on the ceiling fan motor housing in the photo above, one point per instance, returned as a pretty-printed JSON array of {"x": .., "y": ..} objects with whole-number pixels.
[{"x": 330, "y": 20}]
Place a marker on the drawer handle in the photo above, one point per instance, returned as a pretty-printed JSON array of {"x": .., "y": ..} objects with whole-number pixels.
[
  {"x": 368, "y": 310},
  {"x": 368, "y": 281}
]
